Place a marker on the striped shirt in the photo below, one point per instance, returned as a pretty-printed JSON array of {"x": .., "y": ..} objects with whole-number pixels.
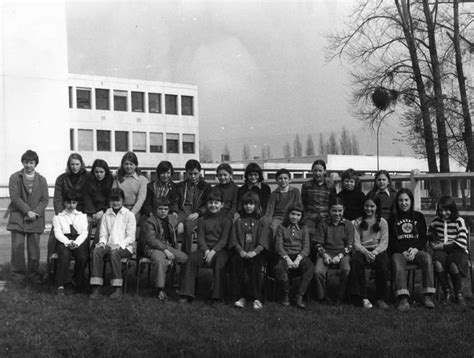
[
  {"x": 315, "y": 198},
  {"x": 449, "y": 232}
]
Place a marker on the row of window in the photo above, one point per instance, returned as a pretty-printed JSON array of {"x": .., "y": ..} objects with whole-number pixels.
[
  {"x": 120, "y": 101},
  {"x": 124, "y": 141}
]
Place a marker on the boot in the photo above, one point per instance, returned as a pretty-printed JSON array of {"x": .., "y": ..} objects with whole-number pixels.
[
  {"x": 95, "y": 293},
  {"x": 117, "y": 294},
  {"x": 286, "y": 298},
  {"x": 299, "y": 301}
]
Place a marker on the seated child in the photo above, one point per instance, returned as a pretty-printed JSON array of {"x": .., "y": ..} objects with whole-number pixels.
[
  {"x": 449, "y": 242},
  {"x": 191, "y": 197},
  {"x": 116, "y": 240},
  {"x": 292, "y": 245},
  {"x": 333, "y": 241},
  {"x": 71, "y": 233},
  {"x": 249, "y": 238},
  {"x": 352, "y": 197},
  {"x": 370, "y": 249},
  {"x": 213, "y": 235},
  {"x": 159, "y": 243},
  {"x": 228, "y": 188}
]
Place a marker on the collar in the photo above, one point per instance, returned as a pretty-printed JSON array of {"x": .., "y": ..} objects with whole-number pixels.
[
  {"x": 342, "y": 222},
  {"x": 258, "y": 185},
  {"x": 296, "y": 226},
  {"x": 110, "y": 211},
  {"x": 290, "y": 188},
  {"x": 386, "y": 191},
  {"x": 74, "y": 212},
  {"x": 134, "y": 176}
]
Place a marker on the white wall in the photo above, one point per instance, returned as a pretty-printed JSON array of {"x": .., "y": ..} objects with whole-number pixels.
[{"x": 33, "y": 86}]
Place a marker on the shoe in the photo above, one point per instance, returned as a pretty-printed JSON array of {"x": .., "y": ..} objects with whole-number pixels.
[
  {"x": 428, "y": 302},
  {"x": 286, "y": 299},
  {"x": 60, "y": 292},
  {"x": 162, "y": 295},
  {"x": 460, "y": 299},
  {"x": 95, "y": 293},
  {"x": 183, "y": 299},
  {"x": 299, "y": 301},
  {"x": 366, "y": 304},
  {"x": 117, "y": 294},
  {"x": 382, "y": 304},
  {"x": 448, "y": 296},
  {"x": 241, "y": 303},
  {"x": 403, "y": 305},
  {"x": 257, "y": 305}
]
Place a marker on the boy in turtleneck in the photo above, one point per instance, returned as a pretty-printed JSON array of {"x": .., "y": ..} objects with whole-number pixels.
[{"x": 213, "y": 235}]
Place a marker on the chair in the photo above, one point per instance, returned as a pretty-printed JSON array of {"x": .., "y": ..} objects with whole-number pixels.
[{"x": 145, "y": 261}]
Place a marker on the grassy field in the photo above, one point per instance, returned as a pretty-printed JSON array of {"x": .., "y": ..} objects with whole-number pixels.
[{"x": 37, "y": 323}]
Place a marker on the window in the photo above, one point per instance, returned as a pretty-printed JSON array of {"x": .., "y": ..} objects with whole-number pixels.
[
  {"x": 70, "y": 97},
  {"x": 188, "y": 143},
  {"x": 120, "y": 100},
  {"x": 156, "y": 142},
  {"x": 187, "y": 106},
  {"x": 83, "y": 98},
  {"x": 172, "y": 143},
  {"x": 84, "y": 140},
  {"x": 71, "y": 138},
  {"x": 121, "y": 141},
  {"x": 102, "y": 99},
  {"x": 171, "y": 104},
  {"x": 154, "y": 102},
  {"x": 138, "y": 104},
  {"x": 103, "y": 141},
  {"x": 139, "y": 141}
]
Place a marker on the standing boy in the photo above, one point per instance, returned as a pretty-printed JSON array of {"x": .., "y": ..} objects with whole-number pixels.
[
  {"x": 29, "y": 198},
  {"x": 213, "y": 235},
  {"x": 159, "y": 243},
  {"x": 117, "y": 235},
  {"x": 192, "y": 194}
]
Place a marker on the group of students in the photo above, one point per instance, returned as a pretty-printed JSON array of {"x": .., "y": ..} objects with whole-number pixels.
[{"x": 247, "y": 229}]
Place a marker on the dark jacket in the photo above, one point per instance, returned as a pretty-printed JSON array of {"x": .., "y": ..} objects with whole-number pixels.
[
  {"x": 96, "y": 194},
  {"x": 152, "y": 237},
  {"x": 22, "y": 201},
  {"x": 258, "y": 230},
  {"x": 172, "y": 195},
  {"x": 263, "y": 193},
  {"x": 64, "y": 184},
  {"x": 199, "y": 203}
]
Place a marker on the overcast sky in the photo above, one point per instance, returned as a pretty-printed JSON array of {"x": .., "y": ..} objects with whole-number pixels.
[{"x": 259, "y": 65}]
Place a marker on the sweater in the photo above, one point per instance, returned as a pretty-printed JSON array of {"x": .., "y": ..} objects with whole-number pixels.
[
  {"x": 292, "y": 240},
  {"x": 263, "y": 191},
  {"x": 279, "y": 202},
  {"x": 64, "y": 184},
  {"x": 353, "y": 202},
  {"x": 134, "y": 187},
  {"x": 315, "y": 198},
  {"x": 118, "y": 228},
  {"x": 213, "y": 231},
  {"x": 334, "y": 239},
  {"x": 229, "y": 196},
  {"x": 405, "y": 231},
  {"x": 96, "y": 194},
  {"x": 62, "y": 226},
  {"x": 452, "y": 233},
  {"x": 376, "y": 242},
  {"x": 250, "y": 234},
  {"x": 156, "y": 189}
]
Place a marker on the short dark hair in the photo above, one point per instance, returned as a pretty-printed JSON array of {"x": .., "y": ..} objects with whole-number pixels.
[
  {"x": 335, "y": 200},
  {"x": 163, "y": 167},
  {"x": 319, "y": 162},
  {"x": 294, "y": 207},
  {"x": 70, "y": 196},
  {"x": 226, "y": 167},
  {"x": 252, "y": 198},
  {"x": 446, "y": 202},
  {"x": 192, "y": 164},
  {"x": 30, "y": 156},
  {"x": 253, "y": 168},
  {"x": 116, "y": 193},
  {"x": 379, "y": 173},
  {"x": 162, "y": 201},
  {"x": 349, "y": 174},
  {"x": 216, "y": 195},
  {"x": 282, "y": 171},
  {"x": 410, "y": 195}
]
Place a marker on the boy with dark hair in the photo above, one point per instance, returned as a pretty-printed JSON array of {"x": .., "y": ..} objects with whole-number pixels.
[
  {"x": 117, "y": 235},
  {"x": 159, "y": 243},
  {"x": 213, "y": 236},
  {"x": 192, "y": 194},
  {"x": 352, "y": 197}
]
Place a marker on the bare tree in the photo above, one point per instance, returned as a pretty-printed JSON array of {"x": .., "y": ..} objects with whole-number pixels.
[
  {"x": 205, "y": 154},
  {"x": 332, "y": 147},
  {"x": 287, "y": 150},
  {"x": 355, "y": 145},
  {"x": 309, "y": 145},
  {"x": 266, "y": 151},
  {"x": 297, "y": 147},
  {"x": 246, "y": 152},
  {"x": 345, "y": 142},
  {"x": 322, "y": 145}
]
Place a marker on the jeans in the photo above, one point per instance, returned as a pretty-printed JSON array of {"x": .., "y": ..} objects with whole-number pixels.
[
  {"x": 423, "y": 261},
  {"x": 252, "y": 268},
  {"x": 65, "y": 255},
  {"x": 115, "y": 258},
  {"x": 18, "y": 265},
  {"x": 160, "y": 264},
  {"x": 357, "y": 281},
  {"x": 321, "y": 273},
  {"x": 305, "y": 269}
]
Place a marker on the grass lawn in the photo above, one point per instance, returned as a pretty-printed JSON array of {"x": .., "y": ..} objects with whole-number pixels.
[{"x": 37, "y": 323}]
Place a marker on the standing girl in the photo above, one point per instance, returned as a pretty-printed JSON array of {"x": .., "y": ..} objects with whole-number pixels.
[
  {"x": 407, "y": 241},
  {"x": 249, "y": 238},
  {"x": 315, "y": 196},
  {"x": 162, "y": 186},
  {"x": 228, "y": 188},
  {"x": 29, "y": 198},
  {"x": 370, "y": 245},
  {"x": 132, "y": 182},
  {"x": 333, "y": 242},
  {"x": 254, "y": 182},
  {"x": 383, "y": 190},
  {"x": 449, "y": 242},
  {"x": 96, "y": 191},
  {"x": 292, "y": 245}
]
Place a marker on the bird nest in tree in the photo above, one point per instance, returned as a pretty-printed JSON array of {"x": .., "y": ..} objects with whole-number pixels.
[{"x": 382, "y": 97}]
